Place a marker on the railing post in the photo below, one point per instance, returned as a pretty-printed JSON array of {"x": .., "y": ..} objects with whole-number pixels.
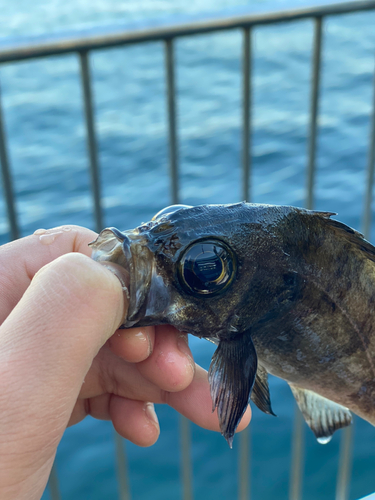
[
  {"x": 7, "y": 181},
  {"x": 122, "y": 469},
  {"x": 246, "y": 112},
  {"x": 172, "y": 120},
  {"x": 344, "y": 470},
  {"x": 296, "y": 468},
  {"x": 186, "y": 472},
  {"x": 244, "y": 465},
  {"x": 314, "y": 112},
  {"x": 295, "y": 490},
  {"x": 370, "y": 172},
  {"x": 91, "y": 139}
]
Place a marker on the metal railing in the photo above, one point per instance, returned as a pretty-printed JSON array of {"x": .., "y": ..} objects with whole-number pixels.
[{"x": 82, "y": 46}]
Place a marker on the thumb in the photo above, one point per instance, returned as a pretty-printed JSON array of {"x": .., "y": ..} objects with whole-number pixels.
[{"x": 47, "y": 344}]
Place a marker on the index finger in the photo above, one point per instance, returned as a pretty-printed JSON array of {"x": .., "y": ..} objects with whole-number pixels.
[{"x": 21, "y": 259}]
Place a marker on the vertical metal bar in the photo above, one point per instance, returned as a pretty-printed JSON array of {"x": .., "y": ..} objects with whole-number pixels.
[
  {"x": 314, "y": 111},
  {"x": 344, "y": 471},
  {"x": 91, "y": 139},
  {"x": 246, "y": 112},
  {"x": 296, "y": 471},
  {"x": 370, "y": 173},
  {"x": 244, "y": 465},
  {"x": 172, "y": 119},
  {"x": 122, "y": 469},
  {"x": 186, "y": 472},
  {"x": 7, "y": 181},
  {"x": 295, "y": 490},
  {"x": 53, "y": 484}
]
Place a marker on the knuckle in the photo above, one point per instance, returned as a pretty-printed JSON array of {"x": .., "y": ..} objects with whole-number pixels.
[{"x": 84, "y": 278}]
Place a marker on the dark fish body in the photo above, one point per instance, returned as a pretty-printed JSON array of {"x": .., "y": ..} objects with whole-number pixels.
[{"x": 281, "y": 290}]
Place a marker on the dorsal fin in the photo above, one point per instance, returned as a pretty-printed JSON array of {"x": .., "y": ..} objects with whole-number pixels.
[
  {"x": 325, "y": 215},
  {"x": 322, "y": 415},
  {"x": 355, "y": 238}
]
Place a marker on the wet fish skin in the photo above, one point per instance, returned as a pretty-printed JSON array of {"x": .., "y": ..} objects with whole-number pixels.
[{"x": 299, "y": 304}]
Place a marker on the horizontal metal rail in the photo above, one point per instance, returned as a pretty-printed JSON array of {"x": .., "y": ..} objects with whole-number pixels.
[{"x": 36, "y": 48}]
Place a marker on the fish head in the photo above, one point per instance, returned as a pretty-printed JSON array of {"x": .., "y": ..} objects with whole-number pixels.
[
  {"x": 201, "y": 269},
  {"x": 212, "y": 271}
]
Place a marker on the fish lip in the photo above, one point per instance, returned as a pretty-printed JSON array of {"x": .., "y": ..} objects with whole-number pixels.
[
  {"x": 127, "y": 251},
  {"x": 139, "y": 260},
  {"x": 149, "y": 294}
]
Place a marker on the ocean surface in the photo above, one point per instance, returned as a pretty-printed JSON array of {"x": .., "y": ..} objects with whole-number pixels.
[{"x": 42, "y": 104}]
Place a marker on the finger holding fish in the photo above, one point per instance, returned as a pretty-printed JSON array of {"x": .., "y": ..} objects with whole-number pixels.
[
  {"x": 162, "y": 353},
  {"x": 111, "y": 377},
  {"x": 170, "y": 365},
  {"x": 133, "y": 420},
  {"x": 134, "y": 344},
  {"x": 168, "y": 369},
  {"x": 21, "y": 259}
]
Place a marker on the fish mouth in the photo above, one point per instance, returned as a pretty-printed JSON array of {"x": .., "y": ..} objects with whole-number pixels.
[
  {"x": 149, "y": 295},
  {"x": 140, "y": 263},
  {"x": 127, "y": 255}
]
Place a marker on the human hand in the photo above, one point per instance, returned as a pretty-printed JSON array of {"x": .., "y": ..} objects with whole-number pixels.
[{"x": 61, "y": 358}]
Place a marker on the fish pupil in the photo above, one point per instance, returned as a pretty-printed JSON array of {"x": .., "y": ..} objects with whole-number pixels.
[{"x": 206, "y": 267}]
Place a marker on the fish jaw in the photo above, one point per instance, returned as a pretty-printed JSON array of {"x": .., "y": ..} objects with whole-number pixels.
[{"x": 148, "y": 294}]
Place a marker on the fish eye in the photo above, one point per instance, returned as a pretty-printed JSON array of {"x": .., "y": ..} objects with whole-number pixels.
[
  {"x": 207, "y": 267},
  {"x": 169, "y": 210}
]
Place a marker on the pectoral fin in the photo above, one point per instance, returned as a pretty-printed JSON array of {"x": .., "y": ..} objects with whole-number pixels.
[
  {"x": 261, "y": 394},
  {"x": 231, "y": 376},
  {"x": 322, "y": 415}
]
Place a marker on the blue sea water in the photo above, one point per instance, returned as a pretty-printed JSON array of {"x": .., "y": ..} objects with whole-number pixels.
[{"x": 43, "y": 113}]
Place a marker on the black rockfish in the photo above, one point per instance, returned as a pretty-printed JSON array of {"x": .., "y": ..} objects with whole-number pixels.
[{"x": 279, "y": 289}]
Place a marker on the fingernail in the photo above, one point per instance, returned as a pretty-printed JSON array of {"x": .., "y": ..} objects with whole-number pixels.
[
  {"x": 144, "y": 337},
  {"x": 149, "y": 344},
  {"x": 183, "y": 346},
  {"x": 123, "y": 276},
  {"x": 49, "y": 238},
  {"x": 150, "y": 413}
]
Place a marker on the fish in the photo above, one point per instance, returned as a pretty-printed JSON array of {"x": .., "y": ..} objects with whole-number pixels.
[{"x": 280, "y": 290}]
